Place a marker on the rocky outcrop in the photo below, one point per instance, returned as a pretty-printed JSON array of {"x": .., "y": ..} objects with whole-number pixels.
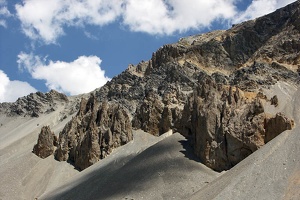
[
  {"x": 149, "y": 114},
  {"x": 46, "y": 143},
  {"x": 227, "y": 124},
  {"x": 93, "y": 133},
  {"x": 274, "y": 100},
  {"x": 262, "y": 75},
  {"x": 34, "y": 104},
  {"x": 276, "y": 125},
  {"x": 207, "y": 87}
]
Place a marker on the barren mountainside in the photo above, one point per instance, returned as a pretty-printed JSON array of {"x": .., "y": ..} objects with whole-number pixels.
[
  {"x": 215, "y": 89},
  {"x": 208, "y": 87}
]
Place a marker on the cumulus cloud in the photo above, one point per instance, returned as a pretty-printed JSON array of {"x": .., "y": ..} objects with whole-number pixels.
[
  {"x": 169, "y": 16},
  {"x": 44, "y": 19},
  {"x": 259, "y": 8},
  {"x": 79, "y": 76},
  {"x": 11, "y": 90},
  {"x": 4, "y": 13}
]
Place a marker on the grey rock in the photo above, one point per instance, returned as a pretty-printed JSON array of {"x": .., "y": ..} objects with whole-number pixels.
[
  {"x": 46, "y": 143},
  {"x": 34, "y": 104},
  {"x": 91, "y": 135},
  {"x": 276, "y": 125},
  {"x": 227, "y": 124}
]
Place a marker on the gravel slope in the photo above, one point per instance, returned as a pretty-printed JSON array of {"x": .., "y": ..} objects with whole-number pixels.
[
  {"x": 166, "y": 170},
  {"x": 151, "y": 167}
]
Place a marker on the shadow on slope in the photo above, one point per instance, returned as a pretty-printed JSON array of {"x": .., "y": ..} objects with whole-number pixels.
[
  {"x": 188, "y": 150},
  {"x": 166, "y": 170}
]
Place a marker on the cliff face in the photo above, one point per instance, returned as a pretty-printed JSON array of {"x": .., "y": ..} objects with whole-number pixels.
[
  {"x": 227, "y": 124},
  {"x": 93, "y": 133},
  {"x": 207, "y": 87}
]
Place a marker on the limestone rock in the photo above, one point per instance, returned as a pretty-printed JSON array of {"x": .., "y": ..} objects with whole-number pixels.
[
  {"x": 276, "y": 125},
  {"x": 46, "y": 143},
  {"x": 149, "y": 114},
  {"x": 274, "y": 101},
  {"x": 228, "y": 124},
  {"x": 93, "y": 133},
  {"x": 34, "y": 104},
  {"x": 166, "y": 120}
]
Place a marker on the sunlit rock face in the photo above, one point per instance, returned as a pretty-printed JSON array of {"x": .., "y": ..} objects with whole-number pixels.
[
  {"x": 46, "y": 143},
  {"x": 207, "y": 87}
]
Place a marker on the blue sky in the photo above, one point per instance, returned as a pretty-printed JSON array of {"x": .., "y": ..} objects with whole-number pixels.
[{"x": 75, "y": 46}]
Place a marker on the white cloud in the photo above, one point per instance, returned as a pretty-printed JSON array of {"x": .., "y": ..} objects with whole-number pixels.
[
  {"x": 79, "y": 76},
  {"x": 29, "y": 61},
  {"x": 3, "y": 23},
  {"x": 281, "y": 3},
  {"x": 259, "y": 8},
  {"x": 4, "y": 13},
  {"x": 44, "y": 19},
  {"x": 90, "y": 35},
  {"x": 11, "y": 90},
  {"x": 169, "y": 16}
]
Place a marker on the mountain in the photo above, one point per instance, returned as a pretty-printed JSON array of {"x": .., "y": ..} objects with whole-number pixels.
[{"x": 230, "y": 98}]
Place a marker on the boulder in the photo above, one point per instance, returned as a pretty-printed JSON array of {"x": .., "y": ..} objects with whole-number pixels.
[
  {"x": 276, "y": 125},
  {"x": 46, "y": 143}
]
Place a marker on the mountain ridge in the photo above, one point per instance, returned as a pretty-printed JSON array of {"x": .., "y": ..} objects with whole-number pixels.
[
  {"x": 229, "y": 93},
  {"x": 162, "y": 93},
  {"x": 155, "y": 93}
]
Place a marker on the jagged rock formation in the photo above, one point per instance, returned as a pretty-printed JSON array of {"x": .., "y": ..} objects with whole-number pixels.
[
  {"x": 34, "y": 104},
  {"x": 227, "y": 124},
  {"x": 276, "y": 125},
  {"x": 46, "y": 143},
  {"x": 93, "y": 133},
  {"x": 207, "y": 87},
  {"x": 149, "y": 115}
]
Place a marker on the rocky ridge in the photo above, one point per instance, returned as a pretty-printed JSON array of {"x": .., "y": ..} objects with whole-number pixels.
[
  {"x": 207, "y": 87},
  {"x": 35, "y": 104}
]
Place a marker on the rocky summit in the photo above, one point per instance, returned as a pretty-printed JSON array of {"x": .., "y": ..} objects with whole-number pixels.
[{"x": 208, "y": 87}]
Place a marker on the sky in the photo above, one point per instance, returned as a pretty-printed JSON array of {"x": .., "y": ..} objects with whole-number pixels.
[{"x": 76, "y": 46}]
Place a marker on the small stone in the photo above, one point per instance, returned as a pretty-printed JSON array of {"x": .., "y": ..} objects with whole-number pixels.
[{"x": 274, "y": 101}]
